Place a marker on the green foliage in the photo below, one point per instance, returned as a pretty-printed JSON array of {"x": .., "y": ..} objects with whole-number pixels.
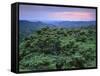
[{"x": 58, "y": 48}]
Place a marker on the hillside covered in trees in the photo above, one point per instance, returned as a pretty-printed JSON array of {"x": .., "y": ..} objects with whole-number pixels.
[{"x": 58, "y": 48}]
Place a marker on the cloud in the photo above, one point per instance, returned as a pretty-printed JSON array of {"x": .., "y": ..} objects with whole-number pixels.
[{"x": 84, "y": 16}]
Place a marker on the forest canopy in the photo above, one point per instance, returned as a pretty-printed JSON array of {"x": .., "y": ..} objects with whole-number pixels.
[{"x": 58, "y": 48}]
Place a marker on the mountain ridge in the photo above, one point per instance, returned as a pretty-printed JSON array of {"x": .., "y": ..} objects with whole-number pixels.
[{"x": 27, "y": 27}]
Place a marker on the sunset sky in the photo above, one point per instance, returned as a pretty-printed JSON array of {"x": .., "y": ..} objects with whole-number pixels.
[{"x": 51, "y": 13}]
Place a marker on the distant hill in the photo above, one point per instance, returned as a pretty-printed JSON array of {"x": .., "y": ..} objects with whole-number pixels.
[
  {"x": 71, "y": 24},
  {"x": 27, "y": 27}
]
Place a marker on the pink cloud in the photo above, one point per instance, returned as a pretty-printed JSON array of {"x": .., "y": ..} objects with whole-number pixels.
[{"x": 73, "y": 15}]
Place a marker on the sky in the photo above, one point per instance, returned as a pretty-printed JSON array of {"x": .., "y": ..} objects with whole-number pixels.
[{"x": 51, "y": 13}]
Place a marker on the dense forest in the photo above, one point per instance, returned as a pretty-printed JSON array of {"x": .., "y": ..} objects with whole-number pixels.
[{"x": 58, "y": 48}]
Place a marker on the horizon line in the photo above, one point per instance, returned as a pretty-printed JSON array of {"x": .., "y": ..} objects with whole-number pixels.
[{"x": 56, "y": 20}]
